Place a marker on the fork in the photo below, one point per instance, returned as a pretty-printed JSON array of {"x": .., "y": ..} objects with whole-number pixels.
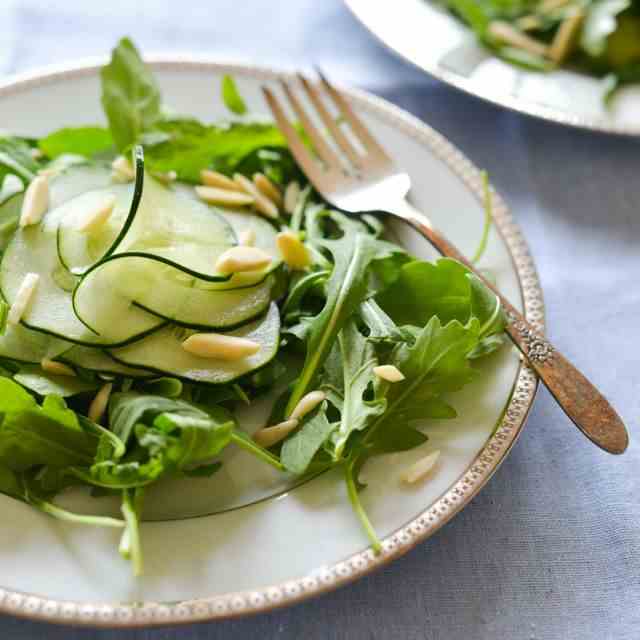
[{"x": 367, "y": 180}]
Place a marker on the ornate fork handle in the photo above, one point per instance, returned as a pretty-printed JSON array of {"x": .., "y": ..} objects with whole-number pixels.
[{"x": 588, "y": 409}]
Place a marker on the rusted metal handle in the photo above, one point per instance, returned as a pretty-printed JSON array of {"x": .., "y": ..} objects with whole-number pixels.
[{"x": 588, "y": 409}]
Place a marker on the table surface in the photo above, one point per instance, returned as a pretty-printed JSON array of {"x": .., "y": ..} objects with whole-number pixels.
[{"x": 551, "y": 547}]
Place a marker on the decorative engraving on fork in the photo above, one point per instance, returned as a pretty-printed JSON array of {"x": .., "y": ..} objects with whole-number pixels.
[{"x": 538, "y": 350}]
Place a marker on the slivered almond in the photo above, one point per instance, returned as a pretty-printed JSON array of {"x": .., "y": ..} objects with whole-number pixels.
[
  {"x": 98, "y": 405},
  {"x": 389, "y": 373},
  {"x": 268, "y": 436},
  {"x": 508, "y": 34},
  {"x": 23, "y": 298},
  {"x": 267, "y": 188},
  {"x": 561, "y": 46},
  {"x": 215, "y": 179},
  {"x": 247, "y": 238},
  {"x": 241, "y": 258},
  {"x": 95, "y": 218},
  {"x": 262, "y": 203},
  {"x": 220, "y": 346},
  {"x": 291, "y": 197},
  {"x": 166, "y": 177},
  {"x": 122, "y": 170},
  {"x": 225, "y": 197},
  {"x": 36, "y": 201},
  {"x": 419, "y": 470},
  {"x": 307, "y": 404},
  {"x": 293, "y": 251},
  {"x": 57, "y": 368}
]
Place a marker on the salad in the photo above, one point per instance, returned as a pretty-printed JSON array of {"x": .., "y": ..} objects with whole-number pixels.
[
  {"x": 600, "y": 37},
  {"x": 159, "y": 273}
]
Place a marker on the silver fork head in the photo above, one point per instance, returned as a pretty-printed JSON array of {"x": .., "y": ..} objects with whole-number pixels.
[{"x": 353, "y": 177}]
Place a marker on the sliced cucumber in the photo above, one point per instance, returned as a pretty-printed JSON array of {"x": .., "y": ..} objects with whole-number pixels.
[
  {"x": 162, "y": 352},
  {"x": 78, "y": 250},
  {"x": 100, "y": 362},
  {"x": 22, "y": 345},
  {"x": 166, "y": 292},
  {"x": 34, "y": 249},
  {"x": 180, "y": 231},
  {"x": 241, "y": 221},
  {"x": 31, "y": 347}
]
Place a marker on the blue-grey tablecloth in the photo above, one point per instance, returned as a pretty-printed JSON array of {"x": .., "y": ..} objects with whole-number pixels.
[{"x": 551, "y": 548}]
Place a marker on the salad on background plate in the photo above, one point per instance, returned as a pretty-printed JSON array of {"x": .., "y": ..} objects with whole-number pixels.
[
  {"x": 161, "y": 273},
  {"x": 597, "y": 37}
]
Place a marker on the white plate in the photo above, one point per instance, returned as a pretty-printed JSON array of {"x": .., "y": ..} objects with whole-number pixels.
[
  {"x": 246, "y": 541},
  {"x": 432, "y": 39}
]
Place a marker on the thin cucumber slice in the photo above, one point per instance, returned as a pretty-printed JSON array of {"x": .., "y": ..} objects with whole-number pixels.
[
  {"x": 241, "y": 221},
  {"x": 34, "y": 249},
  {"x": 98, "y": 361},
  {"x": 31, "y": 347},
  {"x": 162, "y": 352},
  {"x": 22, "y": 345},
  {"x": 178, "y": 230},
  {"x": 78, "y": 250},
  {"x": 166, "y": 292}
]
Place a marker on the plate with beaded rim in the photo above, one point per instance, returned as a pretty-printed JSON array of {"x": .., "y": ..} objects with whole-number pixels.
[{"x": 248, "y": 545}]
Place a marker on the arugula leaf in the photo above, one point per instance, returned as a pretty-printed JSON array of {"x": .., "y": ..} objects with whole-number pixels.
[
  {"x": 189, "y": 146},
  {"x": 353, "y": 279},
  {"x": 231, "y": 97},
  {"x": 446, "y": 289},
  {"x": 162, "y": 435},
  {"x": 354, "y": 379},
  {"x": 130, "y": 95},
  {"x": 299, "y": 449},
  {"x": 381, "y": 327},
  {"x": 128, "y": 409},
  {"x": 82, "y": 141},
  {"x": 435, "y": 363},
  {"x": 33, "y": 435}
]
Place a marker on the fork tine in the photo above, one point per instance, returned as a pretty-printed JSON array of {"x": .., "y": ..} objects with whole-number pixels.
[
  {"x": 326, "y": 153},
  {"x": 298, "y": 149},
  {"x": 359, "y": 128},
  {"x": 330, "y": 122}
]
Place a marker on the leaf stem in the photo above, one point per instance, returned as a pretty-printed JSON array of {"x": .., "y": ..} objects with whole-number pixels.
[
  {"x": 354, "y": 498},
  {"x": 244, "y": 442},
  {"x": 130, "y": 543},
  {"x": 488, "y": 218},
  {"x": 77, "y": 518}
]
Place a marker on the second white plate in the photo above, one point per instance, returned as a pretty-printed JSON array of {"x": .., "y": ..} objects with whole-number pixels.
[{"x": 436, "y": 42}]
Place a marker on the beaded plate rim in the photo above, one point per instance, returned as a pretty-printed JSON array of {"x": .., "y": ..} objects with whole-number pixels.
[{"x": 103, "y": 614}]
